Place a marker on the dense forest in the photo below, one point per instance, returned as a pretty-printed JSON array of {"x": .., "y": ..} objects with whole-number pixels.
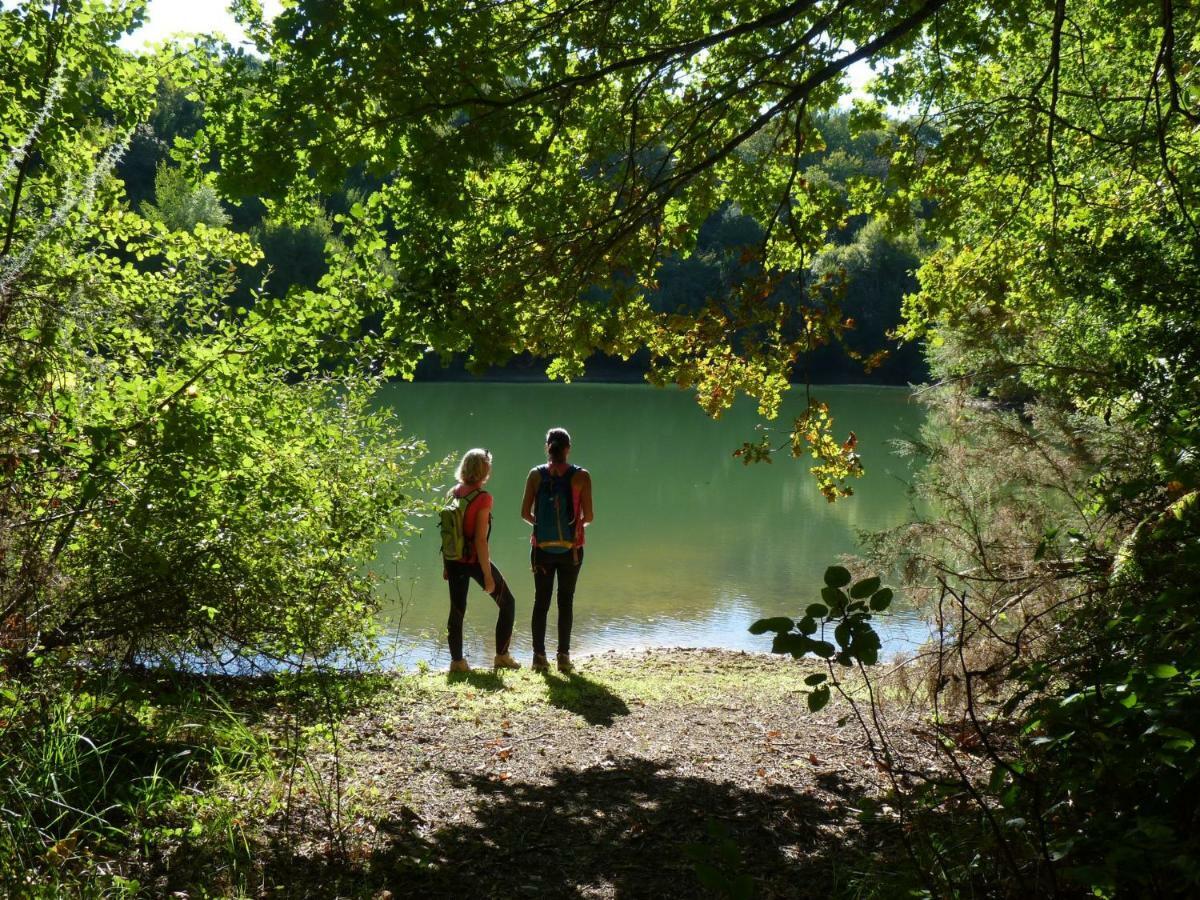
[{"x": 211, "y": 257}]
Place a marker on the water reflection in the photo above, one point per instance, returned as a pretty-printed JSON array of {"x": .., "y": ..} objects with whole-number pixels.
[{"x": 689, "y": 546}]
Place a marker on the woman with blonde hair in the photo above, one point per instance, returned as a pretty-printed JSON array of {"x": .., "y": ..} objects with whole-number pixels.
[{"x": 475, "y": 563}]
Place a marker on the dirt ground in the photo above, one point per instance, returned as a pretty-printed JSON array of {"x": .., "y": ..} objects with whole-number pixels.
[{"x": 676, "y": 773}]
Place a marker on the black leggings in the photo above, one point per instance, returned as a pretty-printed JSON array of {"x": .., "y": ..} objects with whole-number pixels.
[
  {"x": 545, "y": 566},
  {"x": 459, "y": 574}
]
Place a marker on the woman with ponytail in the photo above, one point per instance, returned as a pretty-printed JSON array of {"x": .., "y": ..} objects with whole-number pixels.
[{"x": 558, "y": 504}]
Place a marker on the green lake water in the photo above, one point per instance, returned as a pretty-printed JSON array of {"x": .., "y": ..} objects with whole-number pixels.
[{"x": 689, "y": 546}]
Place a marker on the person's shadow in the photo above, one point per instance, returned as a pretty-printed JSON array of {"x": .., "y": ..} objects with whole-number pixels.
[{"x": 589, "y": 699}]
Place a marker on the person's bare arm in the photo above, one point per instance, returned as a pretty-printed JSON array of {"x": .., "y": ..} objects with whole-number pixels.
[
  {"x": 530, "y": 492},
  {"x": 481, "y": 548},
  {"x": 585, "y": 497}
]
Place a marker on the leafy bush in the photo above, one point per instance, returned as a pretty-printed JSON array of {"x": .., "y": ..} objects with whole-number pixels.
[
  {"x": 177, "y": 475},
  {"x": 1110, "y": 738},
  {"x": 243, "y": 517}
]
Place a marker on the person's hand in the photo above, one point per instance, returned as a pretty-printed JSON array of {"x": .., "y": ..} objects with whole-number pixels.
[{"x": 489, "y": 583}]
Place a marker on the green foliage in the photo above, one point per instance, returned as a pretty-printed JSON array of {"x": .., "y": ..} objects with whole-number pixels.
[
  {"x": 174, "y": 482},
  {"x": 294, "y": 254},
  {"x": 181, "y": 472},
  {"x": 876, "y": 267},
  {"x": 1059, "y": 304},
  {"x": 247, "y": 508},
  {"x": 179, "y": 483},
  {"x": 1112, "y": 729},
  {"x": 543, "y": 189},
  {"x": 836, "y": 462},
  {"x": 846, "y": 615},
  {"x": 174, "y": 115},
  {"x": 181, "y": 205}
]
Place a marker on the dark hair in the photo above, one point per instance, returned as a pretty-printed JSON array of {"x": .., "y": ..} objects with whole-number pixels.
[{"x": 557, "y": 443}]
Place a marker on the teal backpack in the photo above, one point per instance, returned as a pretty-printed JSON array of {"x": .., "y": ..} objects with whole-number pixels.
[
  {"x": 554, "y": 510},
  {"x": 452, "y": 519}
]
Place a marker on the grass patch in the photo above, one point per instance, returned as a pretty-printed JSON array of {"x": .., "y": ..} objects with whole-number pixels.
[
  {"x": 103, "y": 776},
  {"x": 603, "y": 684}
]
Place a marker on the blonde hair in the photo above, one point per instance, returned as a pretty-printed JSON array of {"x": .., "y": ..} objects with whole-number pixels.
[{"x": 475, "y": 466}]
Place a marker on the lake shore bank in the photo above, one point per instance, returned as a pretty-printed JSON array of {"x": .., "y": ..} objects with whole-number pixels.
[{"x": 672, "y": 773}]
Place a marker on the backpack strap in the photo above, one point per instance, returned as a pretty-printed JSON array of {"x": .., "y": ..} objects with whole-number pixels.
[
  {"x": 467, "y": 500},
  {"x": 544, "y": 471}
]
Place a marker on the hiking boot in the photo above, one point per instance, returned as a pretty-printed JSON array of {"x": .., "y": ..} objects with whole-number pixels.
[
  {"x": 540, "y": 663},
  {"x": 459, "y": 666},
  {"x": 564, "y": 664},
  {"x": 505, "y": 661}
]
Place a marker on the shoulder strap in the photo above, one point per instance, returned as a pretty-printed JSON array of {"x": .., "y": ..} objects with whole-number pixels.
[
  {"x": 471, "y": 496},
  {"x": 544, "y": 471}
]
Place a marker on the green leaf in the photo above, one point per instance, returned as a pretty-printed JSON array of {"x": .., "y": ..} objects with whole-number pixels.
[
  {"x": 823, "y": 649},
  {"x": 1178, "y": 739},
  {"x": 815, "y": 679},
  {"x": 794, "y": 644},
  {"x": 837, "y": 576},
  {"x": 1163, "y": 670},
  {"x": 864, "y": 588},
  {"x": 841, "y": 634},
  {"x": 1010, "y": 796},
  {"x": 999, "y": 776},
  {"x": 817, "y": 610},
  {"x": 835, "y": 598},
  {"x": 777, "y": 624},
  {"x": 881, "y": 599}
]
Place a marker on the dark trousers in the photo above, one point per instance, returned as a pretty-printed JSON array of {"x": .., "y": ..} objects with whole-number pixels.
[
  {"x": 546, "y": 566},
  {"x": 459, "y": 575}
]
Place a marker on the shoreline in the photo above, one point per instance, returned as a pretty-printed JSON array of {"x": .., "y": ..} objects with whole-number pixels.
[{"x": 635, "y": 382}]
